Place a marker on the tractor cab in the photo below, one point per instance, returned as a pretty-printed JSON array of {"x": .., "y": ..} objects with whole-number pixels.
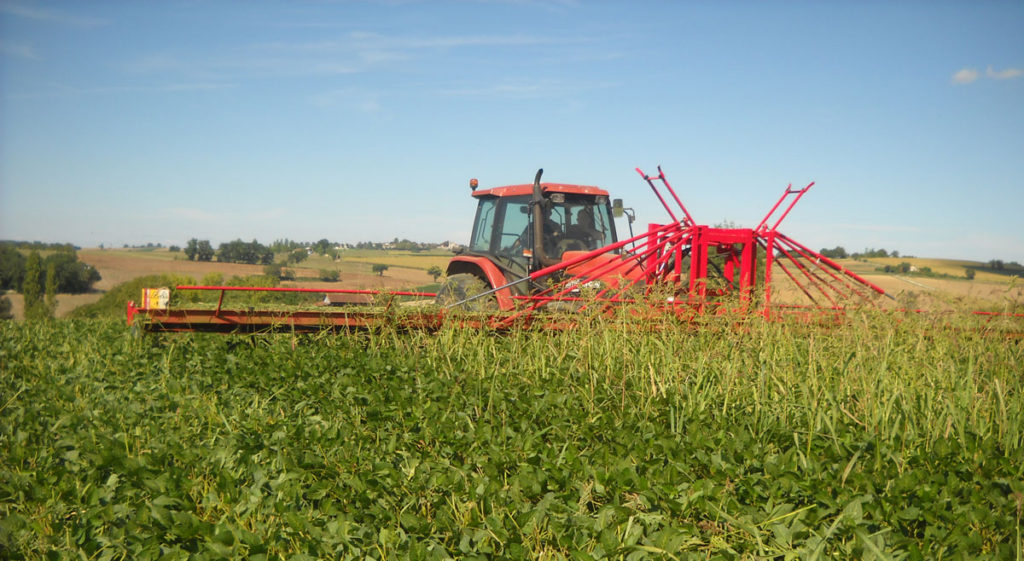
[{"x": 519, "y": 229}]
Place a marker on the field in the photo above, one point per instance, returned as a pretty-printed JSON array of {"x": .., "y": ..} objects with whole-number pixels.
[
  {"x": 877, "y": 439},
  {"x": 407, "y": 270}
]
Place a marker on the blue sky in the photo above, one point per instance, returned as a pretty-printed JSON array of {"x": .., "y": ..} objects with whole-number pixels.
[{"x": 136, "y": 122}]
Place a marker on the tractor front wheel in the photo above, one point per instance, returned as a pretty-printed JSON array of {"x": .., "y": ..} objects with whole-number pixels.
[{"x": 456, "y": 289}]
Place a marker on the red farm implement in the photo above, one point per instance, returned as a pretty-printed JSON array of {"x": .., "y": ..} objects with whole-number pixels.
[{"x": 542, "y": 254}]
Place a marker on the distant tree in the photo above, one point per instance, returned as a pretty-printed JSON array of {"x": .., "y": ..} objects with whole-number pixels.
[
  {"x": 173, "y": 248},
  {"x": 321, "y": 246},
  {"x": 871, "y": 253},
  {"x": 72, "y": 276},
  {"x": 12, "y": 268},
  {"x": 329, "y": 275},
  {"x": 435, "y": 272},
  {"x": 31, "y": 290},
  {"x": 51, "y": 288},
  {"x": 273, "y": 270},
  {"x": 297, "y": 256},
  {"x": 252, "y": 253},
  {"x": 379, "y": 268},
  {"x": 199, "y": 250},
  {"x": 838, "y": 252},
  {"x": 192, "y": 249},
  {"x": 5, "y": 307},
  {"x": 204, "y": 251},
  {"x": 969, "y": 273}
]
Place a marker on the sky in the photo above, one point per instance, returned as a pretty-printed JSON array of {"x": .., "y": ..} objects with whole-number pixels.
[{"x": 156, "y": 122}]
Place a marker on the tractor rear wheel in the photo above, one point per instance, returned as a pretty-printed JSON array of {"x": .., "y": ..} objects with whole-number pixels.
[{"x": 458, "y": 288}]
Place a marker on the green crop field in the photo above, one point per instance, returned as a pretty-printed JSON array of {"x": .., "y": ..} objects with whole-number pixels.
[{"x": 872, "y": 440}]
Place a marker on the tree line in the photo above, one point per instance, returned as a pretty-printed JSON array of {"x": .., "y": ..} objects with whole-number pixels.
[
  {"x": 839, "y": 252},
  {"x": 39, "y": 279}
]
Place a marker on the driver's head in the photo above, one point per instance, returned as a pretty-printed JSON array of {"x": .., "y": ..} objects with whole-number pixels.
[{"x": 585, "y": 217}]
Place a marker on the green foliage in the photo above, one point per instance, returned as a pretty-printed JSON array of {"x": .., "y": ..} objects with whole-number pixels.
[
  {"x": 435, "y": 272},
  {"x": 72, "y": 276},
  {"x": 771, "y": 442},
  {"x": 838, "y": 252},
  {"x": 213, "y": 279},
  {"x": 322, "y": 246},
  {"x": 969, "y": 273},
  {"x": 273, "y": 270},
  {"x": 1000, "y": 267},
  {"x": 297, "y": 256},
  {"x": 252, "y": 253},
  {"x": 199, "y": 250},
  {"x": 379, "y": 268},
  {"x": 115, "y": 301},
  {"x": 329, "y": 275},
  {"x": 5, "y": 307},
  {"x": 51, "y": 288},
  {"x": 872, "y": 253},
  {"x": 32, "y": 290},
  {"x": 12, "y": 267}
]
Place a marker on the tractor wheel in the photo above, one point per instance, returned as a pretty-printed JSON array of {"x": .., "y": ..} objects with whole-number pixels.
[{"x": 457, "y": 288}]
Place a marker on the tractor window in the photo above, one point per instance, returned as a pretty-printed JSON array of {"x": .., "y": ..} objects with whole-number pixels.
[
  {"x": 483, "y": 226},
  {"x": 515, "y": 224},
  {"x": 585, "y": 221}
]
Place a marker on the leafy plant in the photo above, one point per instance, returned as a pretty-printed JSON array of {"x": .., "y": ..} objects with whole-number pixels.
[{"x": 771, "y": 440}]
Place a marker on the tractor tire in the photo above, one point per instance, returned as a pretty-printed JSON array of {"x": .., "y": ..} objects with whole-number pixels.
[{"x": 458, "y": 288}]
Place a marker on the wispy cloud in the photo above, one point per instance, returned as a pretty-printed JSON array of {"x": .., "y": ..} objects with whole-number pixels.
[
  {"x": 18, "y": 51},
  {"x": 965, "y": 76},
  {"x": 1005, "y": 74},
  {"x": 538, "y": 90},
  {"x": 364, "y": 50},
  {"x": 51, "y": 16},
  {"x": 970, "y": 75},
  {"x": 350, "y": 53},
  {"x": 63, "y": 91}
]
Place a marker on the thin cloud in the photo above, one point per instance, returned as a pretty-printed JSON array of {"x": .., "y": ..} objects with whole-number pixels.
[
  {"x": 965, "y": 76},
  {"x": 1005, "y": 74},
  {"x": 18, "y": 51},
  {"x": 971, "y": 75},
  {"x": 51, "y": 16},
  {"x": 541, "y": 90},
  {"x": 62, "y": 91},
  {"x": 352, "y": 53}
]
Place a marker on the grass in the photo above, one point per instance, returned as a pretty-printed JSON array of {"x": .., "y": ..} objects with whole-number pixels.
[{"x": 732, "y": 441}]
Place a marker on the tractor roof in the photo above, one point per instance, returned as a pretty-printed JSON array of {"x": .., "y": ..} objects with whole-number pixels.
[{"x": 527, "y": 189}]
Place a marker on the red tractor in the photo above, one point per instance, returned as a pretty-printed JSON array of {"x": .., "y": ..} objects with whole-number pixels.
[{"x": 520, "y": 229}]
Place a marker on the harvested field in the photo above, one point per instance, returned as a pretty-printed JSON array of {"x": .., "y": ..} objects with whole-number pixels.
[{"x": 120, "y": 266}]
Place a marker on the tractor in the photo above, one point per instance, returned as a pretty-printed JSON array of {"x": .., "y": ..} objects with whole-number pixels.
[{"x": 520, "y": 229}]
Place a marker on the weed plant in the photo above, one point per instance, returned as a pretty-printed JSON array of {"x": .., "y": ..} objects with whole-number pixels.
[{"x": 732, "y": 439}]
